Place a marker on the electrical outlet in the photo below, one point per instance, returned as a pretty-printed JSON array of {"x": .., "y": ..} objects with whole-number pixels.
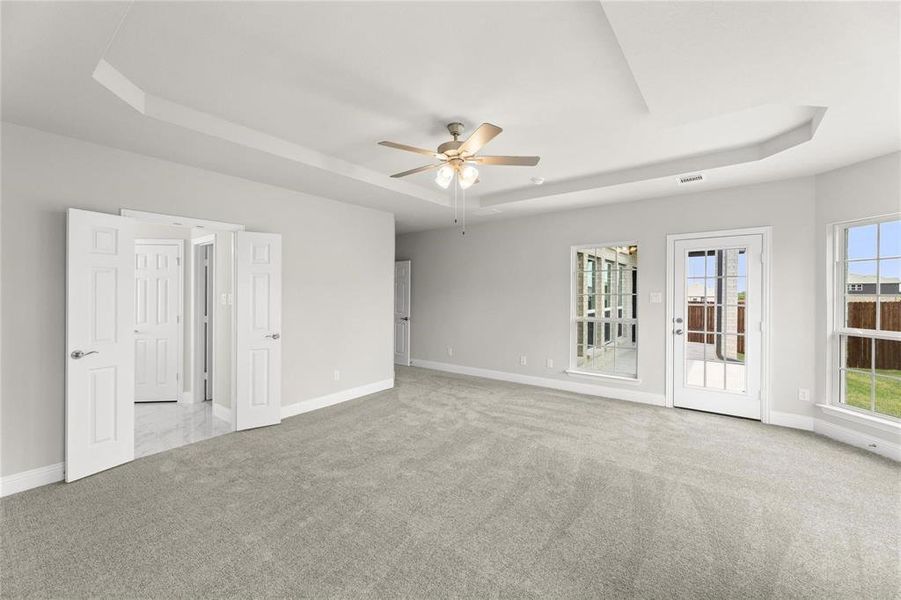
[
  {"x": 522, "y": 360},
  {"x": 549, "y": 363},
  {"x": 337, "y": 375},
  {"x": 803, "y": 394},
  {"x": 450, "y": 350}
]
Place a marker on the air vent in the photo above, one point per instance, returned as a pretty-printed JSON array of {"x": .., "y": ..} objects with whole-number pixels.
[{"x": 694, "y": 178}]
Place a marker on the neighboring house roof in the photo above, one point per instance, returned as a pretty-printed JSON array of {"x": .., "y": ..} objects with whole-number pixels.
[{"x": 855, "y": 278}]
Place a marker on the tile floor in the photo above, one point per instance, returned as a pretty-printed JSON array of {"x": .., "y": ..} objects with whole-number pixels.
[{"x": 165, "y": 425}]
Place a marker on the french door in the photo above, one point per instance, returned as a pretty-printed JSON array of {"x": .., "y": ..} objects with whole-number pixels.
[{"x": 717, "y": 308}]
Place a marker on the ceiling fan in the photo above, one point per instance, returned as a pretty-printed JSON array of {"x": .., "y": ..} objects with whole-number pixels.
[{"x": 458, "y": 158}]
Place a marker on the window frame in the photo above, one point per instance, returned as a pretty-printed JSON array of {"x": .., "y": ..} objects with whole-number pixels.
[
  {"x": 836, "y": 280},
  {"x": 611, "y": 321}
]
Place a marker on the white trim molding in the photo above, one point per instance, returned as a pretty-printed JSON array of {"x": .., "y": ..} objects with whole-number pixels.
[
  {"x": 590, "y": 389},
  {"x": 222, "y": 412},
  {"x": 26, "y": 480},
  {"x": 336, "y": 398},
  {"x": 853, "y": 437},
  {"x": 792, "y": 420}
]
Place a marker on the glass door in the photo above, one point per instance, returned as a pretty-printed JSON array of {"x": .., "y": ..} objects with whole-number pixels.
[{"x": 716, "y": 325}]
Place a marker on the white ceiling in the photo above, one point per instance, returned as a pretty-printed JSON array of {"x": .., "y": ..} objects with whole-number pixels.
[{"x": 616, "y": 97}]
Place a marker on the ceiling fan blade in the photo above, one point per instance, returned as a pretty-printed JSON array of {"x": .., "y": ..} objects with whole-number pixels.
[
  {"x": 431, "y": 153},
  {"x": 481, "y": 136},
  {"x": 417, "y": 170},
  {"x": 519, "y": 161}
]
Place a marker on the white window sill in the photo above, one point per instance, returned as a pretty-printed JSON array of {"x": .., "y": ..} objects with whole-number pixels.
[
  {"x": 616, "y": 378},
  {"x": 885, "y": 424}
]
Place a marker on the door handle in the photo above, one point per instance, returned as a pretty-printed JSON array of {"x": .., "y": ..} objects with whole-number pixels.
[
  {"x": 405, "y": 318},
  {"x": 274, "y": 336},
  {"x": 678, "y": 332},
  {"x": 76, "y": 354}
]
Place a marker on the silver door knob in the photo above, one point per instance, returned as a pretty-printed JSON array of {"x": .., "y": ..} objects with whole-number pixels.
[
  {"x": 678, "y": 332},
  {"x": 274, "y": 336},
  {"x": 76, "y": 354}
]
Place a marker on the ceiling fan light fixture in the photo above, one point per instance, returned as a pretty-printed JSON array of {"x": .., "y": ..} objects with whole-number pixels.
[
  {"x": 468, "y": 176},
  {"x": 444, "y": 176}
]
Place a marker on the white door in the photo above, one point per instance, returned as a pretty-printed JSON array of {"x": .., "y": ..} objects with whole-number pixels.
[
  {"x": 717, "y": 308},
  {"x": 402, "y": 312},
  {"x": 157, "y": 319},
  {"x": 100, "y": 363},
  {"x": 258, "y": 309}
]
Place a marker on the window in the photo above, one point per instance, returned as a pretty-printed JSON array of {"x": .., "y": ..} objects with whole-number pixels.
[
  {"x": 868, "y": 316},
  {"x": 605, "y": 315}
]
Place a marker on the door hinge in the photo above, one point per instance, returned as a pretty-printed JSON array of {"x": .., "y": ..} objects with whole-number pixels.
[{"x": 178, "y": 261}]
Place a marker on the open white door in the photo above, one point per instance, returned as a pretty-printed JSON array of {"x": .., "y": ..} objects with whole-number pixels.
[
  {"x": 258, "y": 309},
  {"x": 100, "y": 361},
  {"x": 402, "y": 312}
]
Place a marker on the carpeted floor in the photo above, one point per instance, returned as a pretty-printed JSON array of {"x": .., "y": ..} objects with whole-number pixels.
[{"x": 451, "y": 486}]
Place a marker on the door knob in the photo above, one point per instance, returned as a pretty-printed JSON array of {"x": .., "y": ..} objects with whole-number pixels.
[
  {"x": 405, "y": 318},
  {"x": 678, "y": 332},
  {"x": 677, "y": 320},
  {"x": 274, "y": 336},
  {"x": 76, "y": 354}
]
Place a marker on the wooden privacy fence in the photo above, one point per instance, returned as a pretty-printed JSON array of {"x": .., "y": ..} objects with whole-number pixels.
[
  {"x": 696, "y": 319},
  {"x": 862, "y": 315}
]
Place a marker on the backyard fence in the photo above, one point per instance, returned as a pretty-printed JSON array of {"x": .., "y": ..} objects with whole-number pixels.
[
  {"x": 862, "y": 315},
  {"x": 696, "y": 323}
]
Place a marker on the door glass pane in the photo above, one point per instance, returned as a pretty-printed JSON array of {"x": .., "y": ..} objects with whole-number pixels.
[
  {"x": 715, "y": 368},
  {"x": 715, "y": 319}
]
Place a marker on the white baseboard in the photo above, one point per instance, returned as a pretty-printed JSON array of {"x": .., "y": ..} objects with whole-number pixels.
[
  {"x": 783, "y": 419},
  {"x": 19, "y": 482},
  {"x": 547, "y": 382},
  {"x": 222, "y": 412},
  {"x": 336, "y": 398},
  {"x": 860, "y": 440}
]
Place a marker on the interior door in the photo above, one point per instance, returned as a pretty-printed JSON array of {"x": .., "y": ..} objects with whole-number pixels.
[
  {"x": 100, "y": 387},
  {"x": 258, "y": 309},
  {"x": 717, "y": 308},
  {"x": 402, "y": 312},
  {"x": 158, "y": 283}
]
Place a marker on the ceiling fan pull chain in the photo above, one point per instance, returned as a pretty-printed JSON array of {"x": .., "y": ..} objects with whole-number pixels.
[
  {"x": 463, "y": 209},
  {"x": 455, "y": 200}
]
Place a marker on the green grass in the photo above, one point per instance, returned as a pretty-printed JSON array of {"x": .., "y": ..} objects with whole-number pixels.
[{"x": 888, "y": 391}]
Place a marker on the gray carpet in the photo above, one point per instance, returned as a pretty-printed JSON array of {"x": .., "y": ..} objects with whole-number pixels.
[{"x": 451, "y": 486}]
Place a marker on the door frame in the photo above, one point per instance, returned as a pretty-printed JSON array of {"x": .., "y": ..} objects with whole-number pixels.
[
  {"x": 766, "y": 298},
  {"x": 180, "y": 340},
  {"x": 409, "y": 333},
  {"x": 197, "y": 383}
]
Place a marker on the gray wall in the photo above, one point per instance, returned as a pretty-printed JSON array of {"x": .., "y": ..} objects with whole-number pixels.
[
  {"x": 503, "y": 290},
  {"x": 338, "y": 271},
  {"x": 866, "y": 189}
]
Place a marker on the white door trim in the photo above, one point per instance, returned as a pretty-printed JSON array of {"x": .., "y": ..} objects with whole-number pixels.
[
  {"x": 766, "y": 358},
  {"x": 179, "y": 221},
  {"x": 197, "y": 383},
  {"x": 180, "y": 341}
]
